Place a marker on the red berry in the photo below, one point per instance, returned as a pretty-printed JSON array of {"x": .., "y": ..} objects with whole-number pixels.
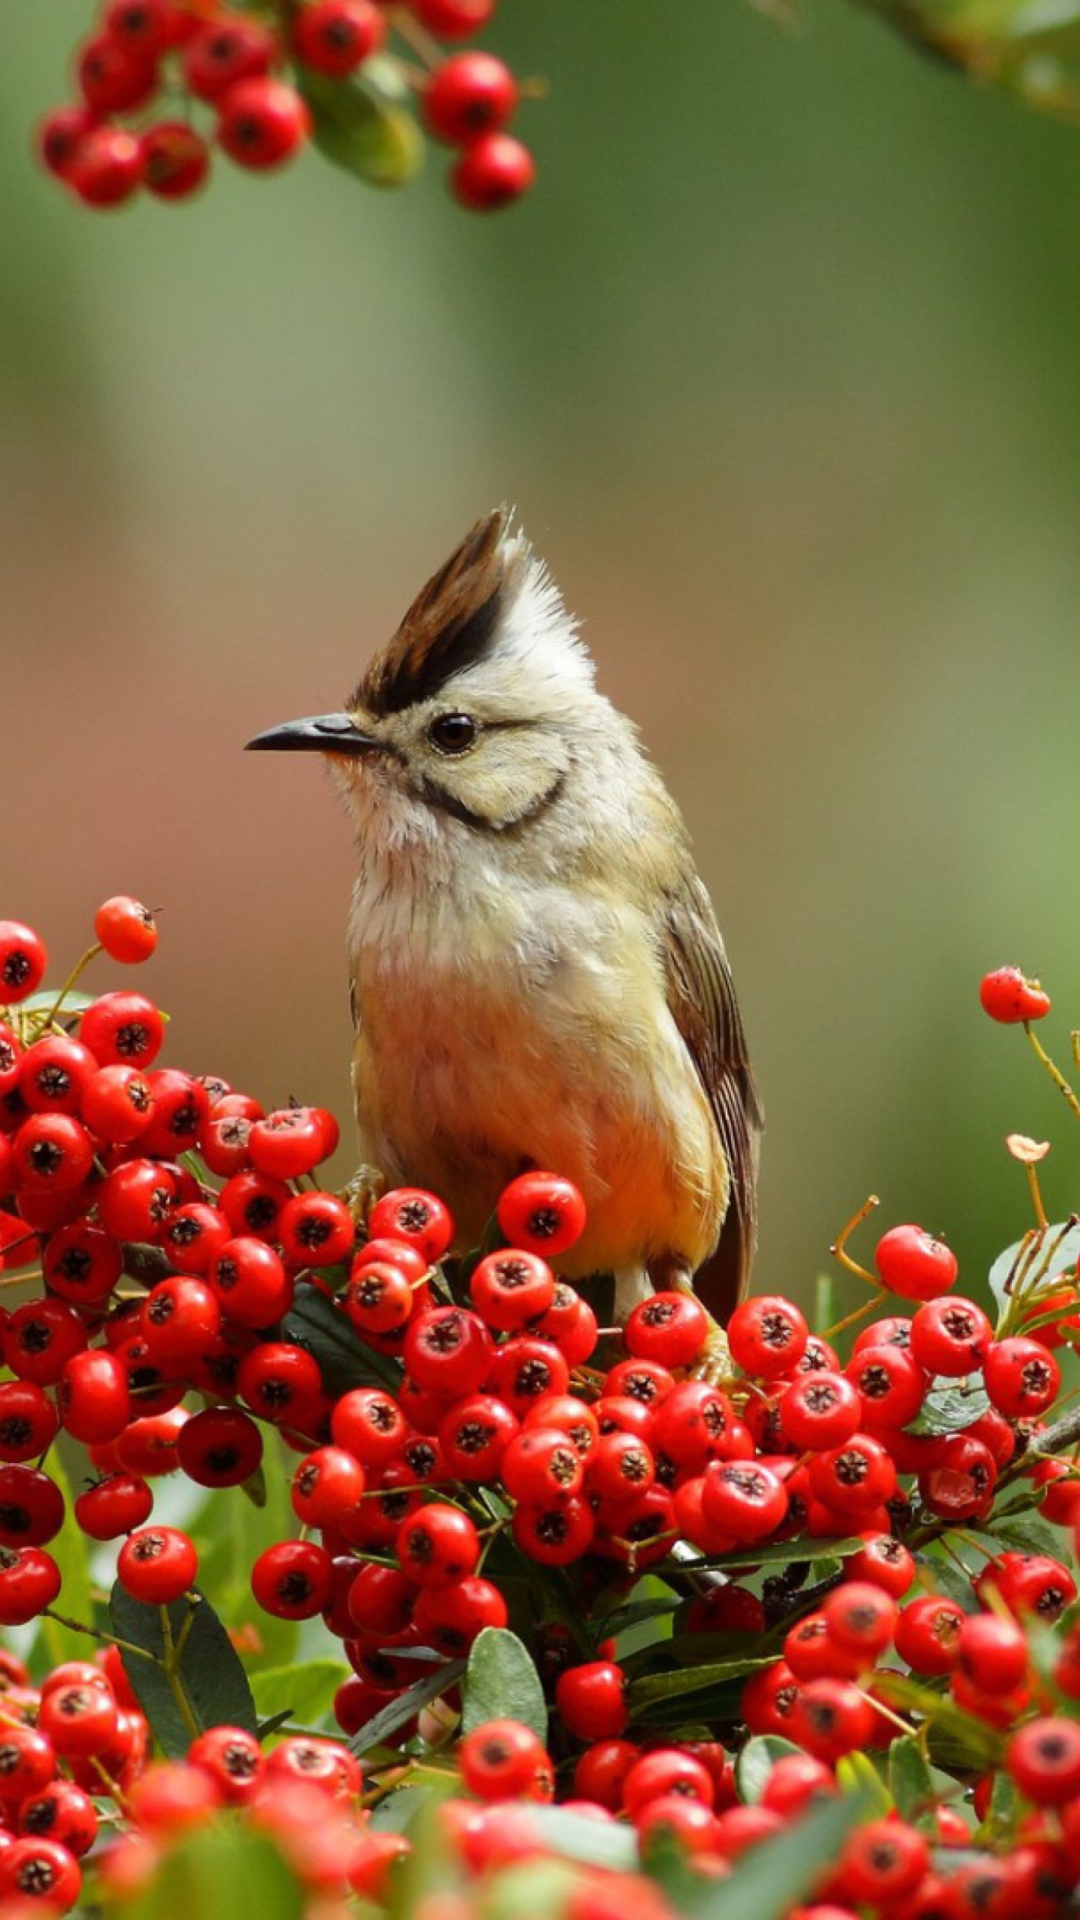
[
  {"x": 417, "y": 1217},
  {"x": 58, "y": 137},
  {"x": 63, "y": 1813},
  {"x": 93, "y": 1397},
  {"x": 219, "y": 1447},
  {"x": 251, "y": 1283},
  {"x": 113, "y": 77},
  {"x": 370, "y": 1425},
  {"x": 670, "y": 1328},
  {"x": 293, "y": 1580},
  {"x": 470, "y": 94},
  {"x": 1009, "y": 996},
  {"x": 335, "y": 36},
  {"x": 79, "y": 1719},
  {"x": 911, "y": 1263},
  {"x": 325, "y": 1485},
  {"x": 502, "y": 1759},
  {"x": 854, "y": 1478},
  {"x": 993, "y": 1653},
  {"x": 448, "y": 1350},
  {"x": 116, "y": 1104},
  {"x": 820, "y": 1410},
  {"x": 52, "y": 1153},
  {"x": 124, "y": 927},
  {"x": 951, "y": 1336},
  {"x": 1044, "y": 1760},
  {"x": 541, "y": 1466},
  {"x": 767, "y": 1335},
  {"x": 233, "y": 1759},
  {"x": 157, "y": 1565},
  {"x": 437, "y": 1546},
  {"x": 115, "y": 1505},
  {"x": 229, "y": 49},
  {"x": 743, "y": 1499},
  {"x": 263, "y": 123},
  {"x": 144, "y": 25},
  {"x": 883, "y": 1861},
  {"x": 316, "y": 1230},
  {"x": 450, "y": 1618},
  {"x": 28, "y": 1421},
  {"x": 860, "y": 1618},
  {"x": 591, "y": 1700},
  {"x": 29, "y": 1582},
  {"x": 454, "y": 19},
  {"x": 291, "y": 1141},
  {"x": 41, "y": 1871},
  {"x": 927, "y": 1634},
  {"x": 890, "y": 1384},
  {"x": 510, "y": 1288},
  {"x": 492, "y": 172},
  {"x": 122, "y": 1028},
  {"x": 541, "y": 1213},
  {"x": 1021, "y": 1377}
]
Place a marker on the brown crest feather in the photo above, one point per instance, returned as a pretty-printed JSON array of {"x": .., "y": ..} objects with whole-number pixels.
[{"x": 449, "y": 626}]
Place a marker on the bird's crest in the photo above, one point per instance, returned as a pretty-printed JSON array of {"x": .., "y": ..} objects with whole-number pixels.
[{"x": 451, "y": 623}]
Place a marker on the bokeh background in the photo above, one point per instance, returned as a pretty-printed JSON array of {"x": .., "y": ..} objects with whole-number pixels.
[{"x": 780, "y": 365}]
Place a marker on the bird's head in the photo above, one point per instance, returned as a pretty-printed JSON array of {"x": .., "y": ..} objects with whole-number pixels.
[{"x": 478, "y": 707}]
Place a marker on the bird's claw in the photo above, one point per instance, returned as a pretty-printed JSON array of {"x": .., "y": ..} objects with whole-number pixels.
[{"x": 361, "y": 1192}]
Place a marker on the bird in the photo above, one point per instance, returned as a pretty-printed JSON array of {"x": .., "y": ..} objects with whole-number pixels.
[{"x": 537, "y": 977}]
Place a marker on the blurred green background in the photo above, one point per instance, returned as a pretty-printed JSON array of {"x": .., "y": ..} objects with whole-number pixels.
[{"x": 780, "y": 365}]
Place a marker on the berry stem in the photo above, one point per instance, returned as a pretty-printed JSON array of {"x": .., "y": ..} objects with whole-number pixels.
[
  {"x": 173, "y": 1653},
  {"x": 99, "y": 1633},
  {"x": 1055, "y": 1073},
  {"x": 79, "y": 967},
  {"x": 839, "y": 1246}
]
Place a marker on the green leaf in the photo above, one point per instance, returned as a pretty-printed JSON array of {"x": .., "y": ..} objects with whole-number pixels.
[
  {"x": 957, "y": 1738},
  {"x": 221, "y": 1868},
  {"x": 45, "y": 999},
  {"x": 501, "y": 1683},
  {"x": 683, "y": 1680},
  {"x": 1057, "y": 1246},
  {"x": 55, "y": 1643},
  {"x": 910, "y": 1780},
  {"x": 756, "y": 1762},
  {"x": 305, "y": 1692},
  {"x": 398, "y": 1712},
  {"x": 1026, "y": 1532},
  {"x": 768, "y": 1881},
  {"x": 949, "y": 1409},
  {"x": 595, "y": 1843},
  {"x": 319, "y": 1326},
  {"x": 947, "y": 1579},
  {"x": 208, "y": 1688},
  {"x": 777, "y": 1553},
  {"x": 856, "y": 1772},
  {"x": 358, "y": 127}
]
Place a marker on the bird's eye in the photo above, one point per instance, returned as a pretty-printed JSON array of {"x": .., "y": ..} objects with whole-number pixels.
[{"x": 453, "y": 732}]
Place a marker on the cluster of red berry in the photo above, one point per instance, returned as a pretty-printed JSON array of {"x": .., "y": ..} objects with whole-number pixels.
[
  {"x": 230, "y": 61},
  {"x": 475, "y": 1453}
]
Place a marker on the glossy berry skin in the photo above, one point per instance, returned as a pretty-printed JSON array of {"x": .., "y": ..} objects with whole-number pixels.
[
  {"x": 293, "y": 1140},
  {"x": 1021, "y": 1377},
  {"x": 861, "y": 1619},
  {"x": 23, "y": 960},
  {"x": 250, "y": 1283},
  {"x": 415, "y": 1216},
  {"x": 126, "y": 929},
  {"x": 233, "y": 1758},
  {"x": 58, "y": 137},
  {"x": 501, "y": 1759},
  {"x": 510, "y": 1288},
  {"x": 470, "y": 94},
  {"x": 41, "y": 1871},
  {"x": 219, "y": 1447},
  {"x": 176, "y": 160},
  {"x": 1043, "y": 1758},
  {"x": 992, "y": 1653},
  {"x": 227, "y": 50},
  {"x": 927, "y": 1634},
  {"x": 492, "y": 172},
  {"x": 591, "y": 1700},
  {"x": 122, "y": 1028},
  {"x": 883, "y": 1862},
  {"x": 293, "y": 1579},
  {"x": 767, "y": 1335},
  {"x": 854, "y": 1478},
  {"x": 157, "y": 1565},
  {"x": 448, "y": 1350},
  {"x": 29, "y": 1582},
  {"x": 1008, "y": 996},
  {"x": 541, "y": 1465},
  {"x": 437, "y": 1546},
  {"x": 743, "y": 1499},
  {"x": 336, "y": 36},
  {"x": 670, "y": 1328},
  {"x": 911, "y": 1263},
  {"x": 951, "y": 1336},
  {"x": 540, "y": 1212},
  {"x": 114, "y": 1506},
  {"x": 78, "y": 1719},
  {"x": 820, "y": 1410},
  {"x": 28, "y": 1421},
  {"x": 63, "y": 1813},
  {"x": 325, "y": 1485},
  {"x": 315, "y": 1230},
  {"x": 450, "y": 1618},
  {"x": 94, "y": 1398},
  {"x": 454, "y": 19}
]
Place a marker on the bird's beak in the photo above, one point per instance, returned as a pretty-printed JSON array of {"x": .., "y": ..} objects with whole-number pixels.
[{"x": 323, "y": 733}]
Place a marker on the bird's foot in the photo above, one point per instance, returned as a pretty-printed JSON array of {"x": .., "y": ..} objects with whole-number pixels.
[
  {"x": 361, "y": 1192},
  {"x": 714, "y": 1363}
]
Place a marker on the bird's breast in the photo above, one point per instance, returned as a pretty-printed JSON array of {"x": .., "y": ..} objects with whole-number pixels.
[{"x": 537, "y": 1033}]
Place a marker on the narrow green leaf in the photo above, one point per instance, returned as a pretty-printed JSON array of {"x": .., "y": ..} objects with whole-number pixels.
[
  {"x": 208, "y": 1688},
  {"x": 1027, "y": 1533},
  {"x": 398, "y": 1712},
  {"x": 948, "y": 1579},
  {"x": 755, "y": 1763},
  {"x": 45, "y": 999},
  {"x": 910, "y": 1780},
  {"x": 360, "y": 129},
  {"x": 957, "y": 1738},
  {"x": 302, "y": 1692},
  {"x": 501, "y": 1683},
  {"x": 55, "y": 1643},
  {"x": 595, "y": 1843},
  {"x": 856, "y": 1773},
  {"x": 682, "y": 1680},
  {"x": 319, "y": 1326},
  {"x": 949, "y": 1409},
  {"x": 777, "y": 1553}
]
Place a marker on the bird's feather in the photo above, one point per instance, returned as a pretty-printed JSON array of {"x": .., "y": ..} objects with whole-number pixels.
[{"x": 701, "y": 996}]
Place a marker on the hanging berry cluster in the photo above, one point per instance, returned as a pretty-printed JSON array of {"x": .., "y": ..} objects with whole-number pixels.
[
  {"x": 162, "y": 83},
  {"x": 704, "y": 1593}
]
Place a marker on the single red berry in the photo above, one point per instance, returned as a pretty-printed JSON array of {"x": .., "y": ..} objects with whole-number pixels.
[
  {"x": 226, "y": 50},
  {"x": 291, "y": 1141},
  {"x": 438, "y": 1546},
  {"x": 492, "y": 172},
  {"x": 767, "y": 1335},
  {"x": 993, "y": 1653},
  {"x": 454, "y": 19},
  {"x": 913, "y": 1264},
  {"x": 882, "y": 1862},
  {"x": 591, "y": 1700},
  {"x": 450, "y": 1618},
  {"x": 325, "y": 1485},
  {"x": 292, "y": 1580},
  {"x": 831, "y": 1717},
  {"x": 951, "y": 1336},
  {"x": 663, "y": 1772},
  {"x": 541, "y": 1466},
  {"x": 1028, "y": 1583},
  {"x": 510, "y": 1288},
  {"x": 54, "y": 1073},
  {"x": 115, "y": 1505},
  {"x": 379, "y": 1297},
  {"x": 795, "y": 1782},
  {"x": 29, "y": 1582},
  {"x": 147, "y": 27},
  {"x": 40, "y": 1338},
  {"x": 370, "y": 1425},
  {"x": 1021, "y": 1377},
  {"x": 885, "y": 1562},
  {"x": 861, "y": 1619},
  {"x": 448, "y": 1350},
  {"x": 149, "y": 1447},
  {"x": 854, "y": 1478},
  {"x": 251, "y": 1283},
  {"x": 336, "y": 36},
  {"x": 1009, "y": 996},
  {"x": 541, "y": 1213},
  {"x": 78, "y": 1719},
  {"x": 157, "y": 1565},
  {"x": 116, "y": 1104},
  {"x": 282, "y": 1382},
  {"x": 194, "y": 1235},
  {"x": 470, "y": 94},
  {"x": 743, "y": 1499},
  {"x": 669, "y": 1327},
  {"x": 526, "y": 1369},
  {"x": 501, "y": 1760},
  {"x": 556, "y": 1535},
  {"x": 39, "y": 1871},
  {"x": 93, "y": 1397},
  {"x": 123, "y": 1029},
  {"x": 474, "y": 1436},
  {"x": 28, "y": 1421},
  {"x": 820, "y": 1410},
  {"x": 52, "y": 1153},
  {"x": 125, "y": 928},
  {"x": 891, "y": 1386},
  {"x": 619, "y": 1467},
  {"x": 58, "y": 138},
  {"x": 927, "y": 1634},
  {"x": 1044, "y": 1760},
  {"x": 114, "y": 78},
  {"x": 232, "y": 1757},
  {"x": 60, "y": 1812},
  {"x": 219, "y": 1447},
  {"x": 415, "y": 1216},
  {"x": 571, "y": 1324},
  {"x": 136, "y": 1199}
]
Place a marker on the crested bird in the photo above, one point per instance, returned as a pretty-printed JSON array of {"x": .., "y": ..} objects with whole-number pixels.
[{"x": 537, "y": 976}]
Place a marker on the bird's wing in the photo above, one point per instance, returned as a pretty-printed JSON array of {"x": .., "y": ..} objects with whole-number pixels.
[{"x": 701, "y": 996}]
